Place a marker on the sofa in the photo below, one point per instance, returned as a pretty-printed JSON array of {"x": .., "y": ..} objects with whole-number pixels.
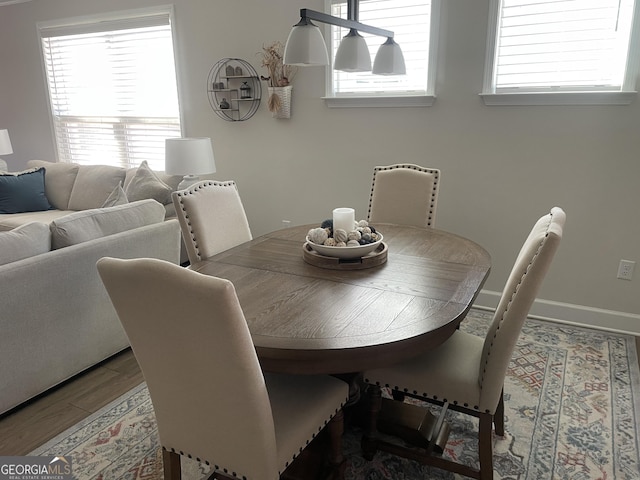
[
  {"x": 47, "y": 191},
  {"x": 56, "y": 318}
]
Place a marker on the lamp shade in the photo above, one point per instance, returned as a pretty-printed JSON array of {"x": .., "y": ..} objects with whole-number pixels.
[
  {"x": 305, "y": 46},
  {"x": 189, "y": 156},
  {"x": 353, "y": 54},
  {"x": 5, "y": 143},
  {"x": 389, "y": 59}
]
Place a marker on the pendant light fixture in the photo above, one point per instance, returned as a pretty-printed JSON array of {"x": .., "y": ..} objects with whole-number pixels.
[{"x": 305, "y": 45}]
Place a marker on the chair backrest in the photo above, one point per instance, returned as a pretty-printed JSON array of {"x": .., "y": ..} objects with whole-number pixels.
[
  {"x": 192, "y": 342},
  {"x": 212, "y": 218},
  {"x": 519, "y": 292},
  {"x": 404, "y": 194}
]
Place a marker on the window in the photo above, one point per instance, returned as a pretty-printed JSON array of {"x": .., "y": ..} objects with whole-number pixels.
[
  {"x": 561, "y": 51},
  {"x": 112, "y": 86},
  {"x": 414, "y": 23}
]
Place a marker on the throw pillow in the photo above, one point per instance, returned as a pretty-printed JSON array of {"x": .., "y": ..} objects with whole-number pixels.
[
  {"x": 94, "y": 183},
  {"x": 26, "y": 241},
  {"x": 23, "y": 192},
  {"x": 146, "y": 184},
  {"x": 117, "y": 197},
  {"x": 88, "y": 225}
]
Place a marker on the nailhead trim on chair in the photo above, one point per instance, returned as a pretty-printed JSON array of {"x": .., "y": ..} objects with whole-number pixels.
[
  {"x": 436, "y": 179},
  {"x": 191, "y": 191},
  {"x": 307, "y": 442},
  {"x": 513, "y": 293}
]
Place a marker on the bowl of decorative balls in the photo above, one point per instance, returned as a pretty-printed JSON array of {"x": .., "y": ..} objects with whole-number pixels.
[{"x": 357, "y": 243}]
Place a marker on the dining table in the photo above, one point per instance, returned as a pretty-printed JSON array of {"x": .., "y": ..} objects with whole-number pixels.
[{"x": 309, "y": 319}]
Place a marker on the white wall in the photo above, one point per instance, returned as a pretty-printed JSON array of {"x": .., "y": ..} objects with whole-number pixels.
[{"x": 502, "y": 167}]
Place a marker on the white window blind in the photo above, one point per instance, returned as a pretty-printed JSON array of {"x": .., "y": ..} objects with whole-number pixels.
[
  {"x": 113, "y": 91},
  {"x": 410, "y": 20},
  {"x": 562, "y": 45}
]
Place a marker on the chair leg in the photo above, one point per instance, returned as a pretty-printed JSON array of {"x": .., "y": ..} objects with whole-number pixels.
[
  {"x": 498, "y": 418},
  {"x": 485, "y": 447},
  {"x": 171, "y": 464},
  {"x": 337, "y": 463}
]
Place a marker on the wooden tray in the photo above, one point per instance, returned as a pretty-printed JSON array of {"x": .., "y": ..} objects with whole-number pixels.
[{"x": 375, "y": 258}]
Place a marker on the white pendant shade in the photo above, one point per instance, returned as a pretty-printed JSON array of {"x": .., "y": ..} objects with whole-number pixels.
[
  {"x": 305, "y": 46},
  {"x": 353, "y": 54},
  {"x": 389, "y": 59}
]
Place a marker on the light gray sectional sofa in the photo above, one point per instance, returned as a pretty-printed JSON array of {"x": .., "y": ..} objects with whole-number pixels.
[{"x": 56, "y": 319}]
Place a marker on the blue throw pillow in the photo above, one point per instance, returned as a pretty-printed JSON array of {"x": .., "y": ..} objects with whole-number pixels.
[{"x": 23, "y": 192}]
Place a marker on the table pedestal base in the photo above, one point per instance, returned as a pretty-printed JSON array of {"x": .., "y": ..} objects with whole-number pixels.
[{"x": 415, "y": 425}]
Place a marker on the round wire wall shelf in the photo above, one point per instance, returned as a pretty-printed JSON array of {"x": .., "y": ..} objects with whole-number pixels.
[{"x": 234, "y": 89}]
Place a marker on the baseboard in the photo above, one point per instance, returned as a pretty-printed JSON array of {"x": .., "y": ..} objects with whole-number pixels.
[{"x": 610, "y": 320}]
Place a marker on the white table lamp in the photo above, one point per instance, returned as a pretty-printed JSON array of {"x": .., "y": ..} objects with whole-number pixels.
[
  {"x": 189, "y": 157},
  {"x": 5, "y": 149}
]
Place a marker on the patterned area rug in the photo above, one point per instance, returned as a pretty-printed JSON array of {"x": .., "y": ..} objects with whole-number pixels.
[{"x": 572, "y": 398}]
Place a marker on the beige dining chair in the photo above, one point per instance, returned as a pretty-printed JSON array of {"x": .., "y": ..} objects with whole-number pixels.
[
  {"x": 404, "y": 194},
  {"x": 466, "y": 373},
  {"x": 212, "y": 218},
  {"x": 211, "y": 399}
]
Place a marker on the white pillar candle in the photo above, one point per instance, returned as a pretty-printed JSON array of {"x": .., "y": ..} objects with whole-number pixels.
[{"x": 344, "y": 218}]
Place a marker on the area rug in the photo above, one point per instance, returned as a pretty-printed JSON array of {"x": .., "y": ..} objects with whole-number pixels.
[{"x": 572, "y": 398}]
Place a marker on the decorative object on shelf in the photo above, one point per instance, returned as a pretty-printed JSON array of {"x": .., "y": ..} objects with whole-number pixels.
[
  {"x": 279, "y": 80},
  {"x": 189, "y": 157},
  {"x": 245, "y": 91},
  {"x": 234, "y": 89},
  {"x": 306, "y": 47},
  {"x": 5, "y": 148}
]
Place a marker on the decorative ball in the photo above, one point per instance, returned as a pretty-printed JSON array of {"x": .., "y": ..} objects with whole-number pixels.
[
  {"x": 363, "y": 223},
  {"x": 340, "y": 235},
  {"x": 366, "y": 237},
  {"x": 353, "y": 243},
  {"x": 354, "y": 235},
  {"x": 341, "y": 244},
  {"x": 330, "y": 242},
  {"x": 328, "y": 223},
  {"x": 318, "y": 235}
]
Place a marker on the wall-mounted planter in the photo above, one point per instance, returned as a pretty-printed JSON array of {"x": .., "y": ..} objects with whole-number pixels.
[{"x": 279, "y": 101}]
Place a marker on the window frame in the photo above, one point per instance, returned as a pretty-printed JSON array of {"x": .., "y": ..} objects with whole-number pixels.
[
  {"x": 387, "y": 100},
  {"x": 624, "y": 96},
  {"x": 100, "y": 22}
]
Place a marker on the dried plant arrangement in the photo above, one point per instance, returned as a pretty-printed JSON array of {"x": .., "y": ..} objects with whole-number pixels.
[{"x": 280, "y": 75}]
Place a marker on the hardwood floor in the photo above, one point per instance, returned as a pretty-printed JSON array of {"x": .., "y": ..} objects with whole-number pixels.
[{"x": 26, "y": 428}]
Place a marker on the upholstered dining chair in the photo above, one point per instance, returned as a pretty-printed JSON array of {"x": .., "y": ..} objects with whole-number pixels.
[
  {"x": 211, "y": 399},
  {"x": 212, "y": 218},
  {"x": 466, "y": 373},
  {"x": 404, "y": 194}
]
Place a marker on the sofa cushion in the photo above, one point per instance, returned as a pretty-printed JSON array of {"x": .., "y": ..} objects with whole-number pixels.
[
  {"x": 94, "y": 183},
  {"x": 58, "y": 181},
  {"x": 23, "y": 242},
  {"x": 88, "y": 225},
  {"x": 10, "y": 221},
  {"x": 117, "y": 197},
  {"x": 23, "y": 192},
  {"x": 146, "y": 184}
]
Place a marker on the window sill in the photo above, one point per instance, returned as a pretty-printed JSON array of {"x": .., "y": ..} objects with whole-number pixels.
[
  {"x": 379, "y": 101},
  {"x": 560, "y": 98}
]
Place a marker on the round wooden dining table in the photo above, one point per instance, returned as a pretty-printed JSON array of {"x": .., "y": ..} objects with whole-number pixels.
[{"x": 306, "y": 319}]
